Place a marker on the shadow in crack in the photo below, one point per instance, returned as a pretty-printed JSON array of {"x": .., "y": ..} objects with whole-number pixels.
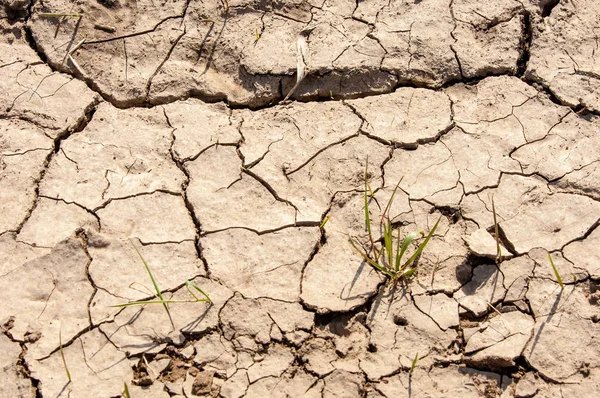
[
  {"x": 346, "y": 294},
  {"x": 72, "y": 40},
  {"x": 387, "y": 295},
  {"x": 481, "y": 273},
  {"x": 463, "y": 271},
  {"x": 191, "y": 326},
  {"x": 553, "y": 311},
  {"x": 63, "y": 389},
  {"x": 123, "y": 359},
  {"x": 359, "y": 271},
  {"x": 203, "y": 42},
  {"x": 211, "y": 51}
]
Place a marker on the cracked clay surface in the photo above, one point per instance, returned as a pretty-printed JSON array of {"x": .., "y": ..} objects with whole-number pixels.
[{"x": 227, "y": 143}]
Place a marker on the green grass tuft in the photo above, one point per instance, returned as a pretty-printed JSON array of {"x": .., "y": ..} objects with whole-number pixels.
[{"x": 389, "y": 259}]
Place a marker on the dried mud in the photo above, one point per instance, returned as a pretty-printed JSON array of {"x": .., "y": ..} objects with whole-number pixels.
[{"x": 228, "y": 140}]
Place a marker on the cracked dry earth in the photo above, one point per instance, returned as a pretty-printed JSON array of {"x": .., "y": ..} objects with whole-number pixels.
[{"x": 163, "y": 124}]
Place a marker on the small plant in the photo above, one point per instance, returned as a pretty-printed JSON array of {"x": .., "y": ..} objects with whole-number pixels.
[
  {"x": 62, "y": 355},
  {"x": 126, "y": 391},
  {"x": 558, "y": 278},
  {"x": 414, "y": 364},
  {"x": 322, "y": 225},
  {"x": 389, "y": 258},
  {"x": 161, "y": 300}
]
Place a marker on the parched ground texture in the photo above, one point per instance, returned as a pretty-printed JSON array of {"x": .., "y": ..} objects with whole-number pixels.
[{"x": 217, "y": 137}]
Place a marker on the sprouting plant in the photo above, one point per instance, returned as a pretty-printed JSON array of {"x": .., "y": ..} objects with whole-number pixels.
[
  {"x": 322, "y": 225},
  {"x": 161, "y": 300},
  {"x": 389, "y": 259},
  {"x": 414, "y": 364},
  {"x": 62, "y": 355},
  {"x": 126, "y": 391},
  {"x": 558, "y": 278}
]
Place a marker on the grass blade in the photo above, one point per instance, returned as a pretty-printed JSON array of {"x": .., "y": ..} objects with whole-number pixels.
[
  {"x": 398, "y": 254},
  {"x": 389, "y": 203},
  {"x": 414, "y": 364},
  {"x": 158, "y": 293},
  {"x": 422, "y": 246},
  {"x": 189, "y": 284},
  {"x": 371, "y": 262},
  {"x": 377, "y": 255},
  {"x": 126, "y": 391},
  {"x": 407, "y": 241},
  {"x": 558, "y": 278},
  {"x": 132, "y": 303},
  {"x": 322, "y": 225},
  {"x": 408, "y": 272},
  {"x": 387, "y": 240},
  {"x": 62, "y": 355}
]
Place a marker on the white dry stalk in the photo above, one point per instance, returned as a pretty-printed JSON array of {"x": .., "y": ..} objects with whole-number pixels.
[
  {"x": 72, "y": 60},
  {"x": 75, "y": 65},
  {"x": 301, "y": 56}
]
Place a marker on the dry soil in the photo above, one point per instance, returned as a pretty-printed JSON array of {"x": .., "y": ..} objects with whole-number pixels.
[{"x": 217, "y": 137}]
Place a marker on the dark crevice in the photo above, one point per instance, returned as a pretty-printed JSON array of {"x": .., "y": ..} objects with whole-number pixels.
[
  {"x": 190, "y": 208},
  {"x": 135, "y": 195},
  {"x": 343, "y": 140},
  {"x": 383, "y": 164},
  {"x": 504, "y": 240},
  {"x": 164, "y": 61},
  {"x": 23, "y": 370},
  {"x": 543, "y": 87},
  {"x": 318, "y": 245},
  {"x": 524, "y": 44},
  {"x": 586, "y": 234},
  {"x": 33, "y": 45},
  {"x": 269, "y": 188},
  {"x": 88, "y": 211},
  {"x": 460, "y": 69},
  {"x": 76, "y": 336},
  {"x": 297, "y": 224},
  {"x": 548, "y": 7},
  {"x": 66, "y": 133}
]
